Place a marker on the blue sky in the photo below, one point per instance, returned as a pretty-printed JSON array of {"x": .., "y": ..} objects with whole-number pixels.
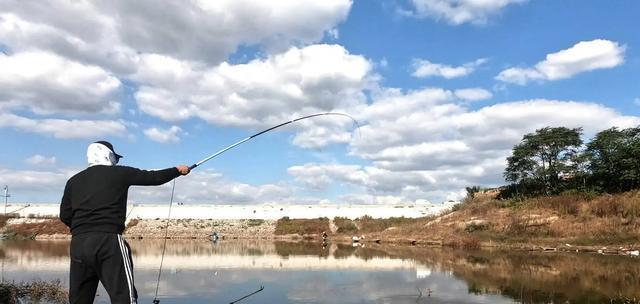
[{"x": 443, "y": 91}]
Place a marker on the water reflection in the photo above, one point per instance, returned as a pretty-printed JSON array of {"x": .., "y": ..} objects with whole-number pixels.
[{"x": 201, "y": 272}]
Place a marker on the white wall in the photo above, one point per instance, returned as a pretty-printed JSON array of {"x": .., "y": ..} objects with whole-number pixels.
[{"x": 267, "y": 212}]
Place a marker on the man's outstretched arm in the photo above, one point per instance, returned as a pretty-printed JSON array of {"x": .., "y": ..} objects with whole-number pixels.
[{"x": 137, "y": 177}]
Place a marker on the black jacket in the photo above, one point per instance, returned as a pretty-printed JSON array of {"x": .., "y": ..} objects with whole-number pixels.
[{"x": 95, "y": 200}]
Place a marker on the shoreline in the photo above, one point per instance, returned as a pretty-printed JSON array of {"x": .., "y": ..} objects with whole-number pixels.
[{"x": 252, "y": 229}]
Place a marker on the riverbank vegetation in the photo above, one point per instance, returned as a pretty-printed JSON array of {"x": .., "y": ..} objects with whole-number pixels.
[
  {"x": 561, "y": 192},
  {"x": 36, "y": 291}
]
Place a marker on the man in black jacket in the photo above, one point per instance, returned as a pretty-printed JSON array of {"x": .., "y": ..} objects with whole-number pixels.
[{"x": 94, "y": 206}]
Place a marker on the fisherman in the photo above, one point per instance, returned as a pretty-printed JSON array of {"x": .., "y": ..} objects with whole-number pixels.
[{"x": 94, "y": 207}]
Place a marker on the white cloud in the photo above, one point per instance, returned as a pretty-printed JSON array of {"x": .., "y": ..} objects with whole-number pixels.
[
  {"x": 111, "y": 33},
  {"x": 46, "y": 83},
  {"x": 582, "y": 57},
  {"x": 424, "y": 145},
  {"x": 205, "y": 186},
  {"x": 425, "y": 68},
  {"x": 64, "y": 129},
  {"x": 473, "y": 94},
  {"x": 39, "y": 160},
  {"x": 457, "y": 12},
  {"x": 333, "y": 33},
  {"x": 261, "y": 93},
  {"x": 208, "y": 186},
  {"x": 35, "y": 186},
  {"x": 171, "y": 135}
]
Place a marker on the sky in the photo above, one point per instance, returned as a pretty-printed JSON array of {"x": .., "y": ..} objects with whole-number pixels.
[{"x": 442, "y": 91}]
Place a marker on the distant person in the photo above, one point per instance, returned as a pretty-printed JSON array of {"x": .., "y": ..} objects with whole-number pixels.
[{"x": 94, "y": 207}]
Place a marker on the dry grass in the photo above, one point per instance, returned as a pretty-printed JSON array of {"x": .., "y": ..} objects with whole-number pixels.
[
  {"x": 368, "y": 224},
  {"x": 463, "y": 242},
  {"x": 345, "y": 225},
  {"x": 33, "y": 292},
  {"x": 562, "y": 204},
  {"x": 3, "y": 220},
  {"x": 554, "y": 220},
  {"x": 31, "y": 230},
  {"x": 286, "y": 225}
]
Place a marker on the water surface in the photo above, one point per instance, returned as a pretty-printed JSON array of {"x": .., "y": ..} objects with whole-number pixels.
[{"x": 197, "y": 271}]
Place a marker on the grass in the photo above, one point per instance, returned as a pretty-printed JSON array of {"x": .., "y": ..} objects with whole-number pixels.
[
  {"x": 31, "y": 230},
  {"x": 33, "y": 292},
  {"x": 574, "y": 218},
  {"x": 254, "y": 222},
  {"x": 344, "y": 225},
  {"x": 368, "y": 224},
  {"x": 286, "y": 226}
]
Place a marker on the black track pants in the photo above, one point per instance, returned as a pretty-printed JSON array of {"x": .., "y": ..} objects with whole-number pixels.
[{"x": 104, "y": 257}]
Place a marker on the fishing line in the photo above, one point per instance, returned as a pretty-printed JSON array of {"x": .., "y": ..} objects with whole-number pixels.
[
  {"x": 156, "y": 300},
  {"x": 164, "y": 245}
]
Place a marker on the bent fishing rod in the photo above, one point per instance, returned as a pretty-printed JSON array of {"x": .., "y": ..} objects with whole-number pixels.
[
  {"x": 267, "y": 130},
  {"x": 206, "y": 159}
]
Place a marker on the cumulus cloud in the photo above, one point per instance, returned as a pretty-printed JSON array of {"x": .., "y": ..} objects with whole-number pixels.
[
  {"x": 35, "y": 186},
  {"x": 425, "y": 144},
  {"x": 113, "y": 32},
  {"x": 39, "y": 160},
  {"x": 457, "y": 12},
  {"x": 260, "y": 93},
  {"x": 46, "y": 83},
  {"x": 206, "y": 186},
  {"x": 209, "y": 186},
  {"x": 425, "y": 68},
  {"x": 473, "y": 94},
  {"x": 62, "y": 128},
  {"x": 583, "y": 57},
  {"x": 171, "y": 135}
]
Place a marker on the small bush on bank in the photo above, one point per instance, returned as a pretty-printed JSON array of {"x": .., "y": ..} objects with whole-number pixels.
[
  {"x": 3, "y": 220},
  {"x": 255, "y": 222},
  {"x": 464, "y": 242},
  {"x": 286, "y": 225},
  {"x": 368, "y": 224},
  {"x": 132, "y": 223},
  {"x": 345, "y": 225}
]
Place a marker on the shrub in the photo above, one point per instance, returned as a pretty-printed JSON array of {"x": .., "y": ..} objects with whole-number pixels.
[
  {"x": 30, "y": 230},
  {"x": 563, "y": 204},
  {"x": 301, "y": 226},
  {"x": 465, "y": 242},
  {"x": 132, "y": 223},
  {"x": 369, "y": 224},
  {"x": 254, "y": 222},
  {"x": 345, "y": 225}
]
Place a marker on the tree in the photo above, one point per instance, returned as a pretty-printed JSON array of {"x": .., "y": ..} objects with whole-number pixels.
[
  {"x": 614, "y": 157},
  {"x": 543, "y": 161}
]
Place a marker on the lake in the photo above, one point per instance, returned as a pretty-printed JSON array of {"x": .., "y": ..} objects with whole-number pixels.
[{"x": 197, "y": 271}]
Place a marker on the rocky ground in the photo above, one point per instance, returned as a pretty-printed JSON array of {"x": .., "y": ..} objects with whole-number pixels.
[{"x": 200, "y": 228}]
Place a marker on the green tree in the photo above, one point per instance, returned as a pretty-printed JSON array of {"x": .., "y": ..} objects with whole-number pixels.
[
  {"x": 543, "y": 161},
  {"x": 614, "y": 157}
]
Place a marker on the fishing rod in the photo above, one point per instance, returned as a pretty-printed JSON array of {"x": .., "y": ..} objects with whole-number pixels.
[
  {"x": 240, "y": 299},
  {"x": 204, "y": 160},
  {"x": 267, "y": 130}
]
